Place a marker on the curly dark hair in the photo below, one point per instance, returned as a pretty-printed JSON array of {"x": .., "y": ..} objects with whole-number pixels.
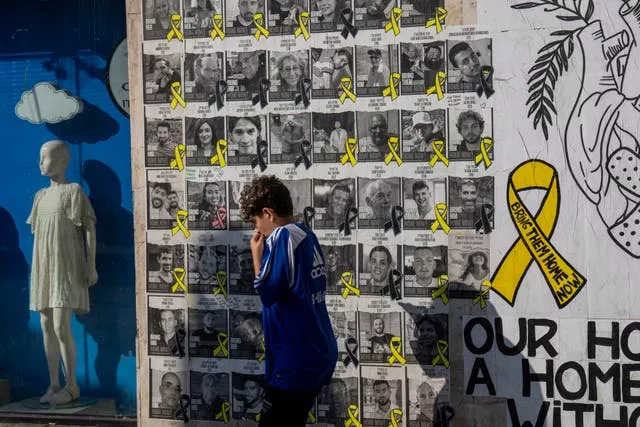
[{"x": 265, "y": 192}]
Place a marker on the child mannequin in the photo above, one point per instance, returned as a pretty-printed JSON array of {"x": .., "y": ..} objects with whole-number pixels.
[{"x": 63, "y": 266}]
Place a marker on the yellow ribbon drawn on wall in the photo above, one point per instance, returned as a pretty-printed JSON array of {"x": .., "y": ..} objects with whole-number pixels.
[
  {"x": 438, "y": 153},
  {"x": 303, "y": 26},
  {"x": 178, "y": 160},
  {"x": 395, "y": 15},
  {"x": 438, "y": 84},
  {"x": 178, "y": 275},
  {"x": 221, "y": 279},
  {"x": 440, "y": 210},
  {"x": 486, "y": 145},
  {"x": 352, "y": 412},
  {"x": 394, "y": 147},
  {"x": 217, "y": 22},
  {"x": 222, "y": 338},
  {"x": 437, "y": 20},
  {"x": 176, "y": 93},
  {"x": 221, "y": 149},
  {"x": 392, "y": 89},
  {"x": 350, "y": 146},
  {"x": 223, "y": 415},
  {"x": 346, "y": 85},
  {"x": 395, "y": 415},
  {"x": 533, "y": 243},
  {"x": 395, "y": 345},
  {"x": 485, "y": 287},
  {"x": 261, "y": 30},
  {"x": 347, "y": 280},
  {"x": 441, "y": 347},
  {"x": 441, "y": 292},
  {"x": 175, "y": 28},
  {"x": 182, "y": 217}
]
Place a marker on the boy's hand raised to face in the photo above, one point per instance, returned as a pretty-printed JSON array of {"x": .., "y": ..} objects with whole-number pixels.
[{"x": 257, "y": 249}]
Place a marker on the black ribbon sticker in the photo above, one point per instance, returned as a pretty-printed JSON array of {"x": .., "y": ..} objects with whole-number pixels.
[
  {"x": 346, "y": 15},
  {"x": 351, "y": 344},
  {"x": 486, "y": 72},
  {"x": 260, "y": 157},
  {"x": 218, "y": 96},
  {"x": 181, "y": 414},
  {"x": 393, "y": 286},
  {"x": 349, "y": 221},
  {"x": 305, "y": 147},
  {"x": 307, "y": 216},
  {"x": 443, "y": 416},
  {"x": 397, "y": 213},
  {"x": 261, "y": 97},
  {"x": 483, "y": 225},
  {"x": 304, "y": 92}
]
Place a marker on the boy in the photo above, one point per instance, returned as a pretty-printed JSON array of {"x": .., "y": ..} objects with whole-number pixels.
[{"x": 300, "y": 347}]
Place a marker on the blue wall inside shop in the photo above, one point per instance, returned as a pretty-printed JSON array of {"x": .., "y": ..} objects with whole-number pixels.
[{"x": 67, "y": 43}]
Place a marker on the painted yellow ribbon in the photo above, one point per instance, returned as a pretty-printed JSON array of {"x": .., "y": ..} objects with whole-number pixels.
[
  {"x": 221, "y": 279},
  {"x": 217, "y": 22},
  {"x": 395, "y": 345},
  {"x": 347, "y": 280},
  {"x": 352, "y": 411},
  {"x": 394, "y": 146},
  {"x": 440, "y": 211},
  {"x": 441, "y": 292},
  {"x": 175, "y": 28},
  {"x": 441, "y": 347},
  {"x": 178, "y": 160},
  {"x": 392, "y": 89},
  {"x": 262, "y": 349},
  {"x": 261, "y": 30},
  {"x": 534, "y": 233},
  {"x": 221, "y": 149},
  {"x": 485, "y": 287},
  {"x": 438, "y": 154},
  {"x": 176, "y": 92},
  {"x": 438, "y": 83},
  {"x": 486, "y": 145},
  {"x": 182, "y": 217},
  {"x": 224, "y": 412},
  {"x": 396, "y": 13},
  {"x": 395, "y": 415},
  {"x": 346, "y": 84},
  {"x": 222, "y": 345},
  {"x": 303, "y": 26},
  {"x": 178, "y": 276},
  {"x": 438, "y": 20},
  {"x": 350, "y": 146}
]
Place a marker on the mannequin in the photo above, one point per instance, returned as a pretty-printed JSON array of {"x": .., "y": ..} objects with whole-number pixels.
[{"x": 63, "y": 266}]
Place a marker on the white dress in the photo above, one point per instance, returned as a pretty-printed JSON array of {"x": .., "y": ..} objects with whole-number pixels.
[{"x": 59, "y": 259}]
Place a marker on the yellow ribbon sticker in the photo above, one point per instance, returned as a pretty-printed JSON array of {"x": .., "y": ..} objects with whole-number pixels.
[
  {"x": 222, "y": 345},
  {"x": 303, "y": 26},
  {"x": 396, "y": 13},
  {"x": 258, "y": 416},
  {"x": 311, "y": 417},
  {"x": 534, "y": 232},
  {"x": 182, "y": 217},
  {"x": 261, "y": 30},
  {"x": 438, "y": 83},
  {"x": 176, "y": 92},
  {"x": 485, "y": 287},
  {"x": 441, "y": 347},
  {"x": 392, "y": 89},
  {"x": 221, "y": 278},
  {"x": 178, "y": 160},
  {"x": 395, "y": 344},
  {"x": 440, "y": 210},
  {"x": 438, "y": 20},
  {"x": 224, "y": 412},
  {"x": 441, "y": 292},
  {"x": 217, "y": 31},
  {"x": 347, "y": 280},
  {"x": 352, "y": 411},
  {"x": 395, "y": 415},
  {"x": 486, "y": 145},
  {"x": 262, "y": 349},
  {"x": 438, "y": 154},
  {"x": 175, "y": 28},
  {"x": 350, "y": 146},
  {"x": 221, "y": 149},
  {"x": 394, "y": 146},
  {"x": 178, "y": 276},
  {"x": 346, "y": 84}
]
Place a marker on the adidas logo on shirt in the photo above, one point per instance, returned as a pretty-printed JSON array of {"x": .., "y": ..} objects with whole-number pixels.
[{"x": 319, "y": 268}]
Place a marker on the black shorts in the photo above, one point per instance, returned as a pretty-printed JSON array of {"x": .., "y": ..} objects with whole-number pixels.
[{"x": 286, "y": 408}]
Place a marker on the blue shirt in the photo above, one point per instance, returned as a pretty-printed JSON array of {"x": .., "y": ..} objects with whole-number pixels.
[{"x": 301, "y": 349}]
